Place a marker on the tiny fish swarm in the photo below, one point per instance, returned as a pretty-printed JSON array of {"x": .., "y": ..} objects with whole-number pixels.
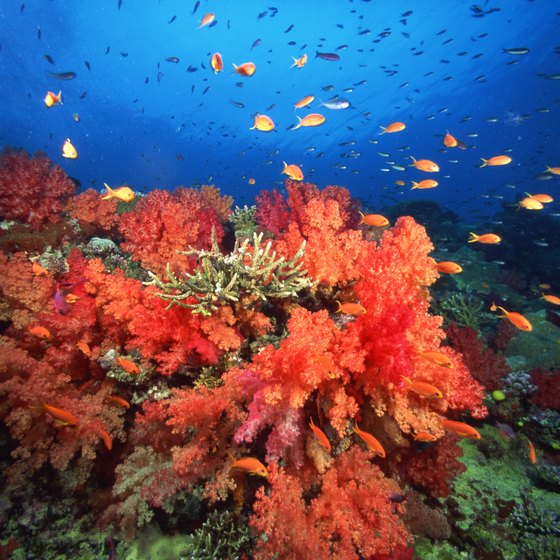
[{"x": 244, "y": 381}]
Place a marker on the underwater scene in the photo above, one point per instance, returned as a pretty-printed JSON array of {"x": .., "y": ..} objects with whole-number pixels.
[{"x": 280, "y": 280}]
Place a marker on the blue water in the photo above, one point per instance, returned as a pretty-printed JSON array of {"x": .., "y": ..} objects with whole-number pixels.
[{"x": 439, "y": 68}]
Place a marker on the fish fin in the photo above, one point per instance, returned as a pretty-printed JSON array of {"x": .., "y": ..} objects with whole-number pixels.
[
  {"x": 298, "y": 125},
  {"x": 383, "y": 130},
  {"x": 414, "y": 185},
  {"x": 110, "y": 192},
  {"x": 337, "y": 310},
  {"x": 285, "y": 166},
  {"x": 473, "y": 238},
  {"x": 361, "y": 218},
  {"x": 484, "y": 164},
  {"x": 413, "y": 161},
  {"x": 407, "y": 379},
  {"x": 60, "y": 96}
]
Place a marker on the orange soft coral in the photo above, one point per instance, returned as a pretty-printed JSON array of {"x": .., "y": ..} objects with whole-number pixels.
[{"x": 93, "y": 213}]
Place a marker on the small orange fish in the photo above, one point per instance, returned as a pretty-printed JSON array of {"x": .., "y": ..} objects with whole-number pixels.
[
  {"x": 216, "y": 62},
  {"x": 400, "y": 183},
  {"x": 246, "y": 69},
  {"x": 118, "y": 401},
  {"x": 544, "y": 198},
  {"x": 487, "y": 238},
  {"x": 71, "y": 298},
  {"x": 68, "y": 151},
  {"x": 393, "y": 127},
  {"x": 553, "y": 170},
  {"x": 84, "y": 348},
  {"x": 436, "y": 357},
  {"x": 450, "y": 141},
  {"x": 449, "y": 267},
  {"x": 530, "y": 203},
  {"x": 460, "y": 429},
  {"x": 495, "y": 160},
  {"x": 426, "y": 165},
  {"x": 52, "y": 99},
  {"x": 304, "y": 102},
  {"x": 371, "y": 441},
  {"x": 128, "y": 365},
  {"x": 299, "y": 62},
  {"x": 374, "y": 220},
  {"x": 250, "y": 465},
  {"x": 263, "y": 123},
  {"x": 516, "y": 319},
  {"x": 61, "y": 415},
  {"x": 551, "y": 299},
  {"x": 321, "y": 436},
  {"x": 207, "y": 19},
  {"x": 38, "y": 270},
  {"x": 423, "y": 389},
  {"x": 40, "y": 332},
  {"x": 313, "y": 119},
  {"x": 425, "y": 184},
  {"x": 325, "y": 364},
  {"x": 292, "y": 171},
  {"x": 424, "y": 436},
  {"x": 251, "y": 181},
  {"x": 532, "y": 452},
  {"x": 350, "y": 308},
  {"x": 124, "y": 193},
  {"x": 106, "y": 438}
]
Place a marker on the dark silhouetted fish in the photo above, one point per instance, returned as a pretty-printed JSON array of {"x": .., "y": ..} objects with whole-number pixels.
[
  {"x": 256, "y": 43},
  {"x": 289, "y": 28},
  {"x": 237, "y": 104},
  {"x": 173, "y": 59},
  {"x": 172, "y": 19},
  {"x": 518, "y": 50},
  {"x": 63, "y": 75},
  {"x": 48, "y": 58},
  {"x": 196, "y": 6},
  {"x": 88, "y": 65},
  {"x": 332, "y": 57}
]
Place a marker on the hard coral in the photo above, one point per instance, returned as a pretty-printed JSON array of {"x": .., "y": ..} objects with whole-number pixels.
[
  {"x": 32, "y": 190},
  {"x": 163, "y": 223}
]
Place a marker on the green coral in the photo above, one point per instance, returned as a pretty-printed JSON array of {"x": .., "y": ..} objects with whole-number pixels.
[
  {"x": 244, "y": 221},
  {"x": 463, "y": 308},
  {"x": 251, "y": 269}
]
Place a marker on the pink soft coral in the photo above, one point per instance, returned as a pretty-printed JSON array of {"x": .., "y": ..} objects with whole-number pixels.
[{"x": 32, "y": 190}]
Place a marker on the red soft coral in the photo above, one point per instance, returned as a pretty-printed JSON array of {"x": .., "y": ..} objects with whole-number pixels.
[
  {"x": 93, "y": 213},
  {"x": 32, "y": 190},
  {"x": 548, "y": 388},
  {"x": 163, "y": 223}
]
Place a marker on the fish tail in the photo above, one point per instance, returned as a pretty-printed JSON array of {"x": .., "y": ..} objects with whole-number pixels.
[
  {"x": 414, "y": 185},
  {"x": 60, "y": 96},
  {"x": 339, "y": 306},
  {"x": 298, "y": 125},
  {"x": 361, "y": 218},
  {"x": 485, "y": 162},
  {"x": 383, "y": 130},
  {"x": 407, "y": 379},
  {"x": 317, "y": 54},
  {"x": 413, "y": 161},
  {"x": 473, "y": 238},
  {"x": 110, "y": 192}
]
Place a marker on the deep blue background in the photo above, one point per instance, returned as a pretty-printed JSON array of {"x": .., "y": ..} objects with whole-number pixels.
[{"x": 132, "y": 132}]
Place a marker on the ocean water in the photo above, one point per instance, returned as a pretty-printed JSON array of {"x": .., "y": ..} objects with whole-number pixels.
[{"x": 144, "y": 108}]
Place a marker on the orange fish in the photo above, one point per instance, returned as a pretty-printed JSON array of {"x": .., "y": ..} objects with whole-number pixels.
[
  {"x": 495, "y": 160},
  {"x": 292, "y": 171},
  {"x": 250, "y": 465},
  {"x": 251, "y": 181},
  {"x": 436, "y": 357},
  {"x": 299, "y": 62},
  {"x": 450, "y": 141},
  {"x": 38, "y": 270},
  {"x": 84, "y": 347},
  {"x": 304, "y": 102},
  {"x": 551, "y": 299},
  {"x": 325, "y": 364},
  {"x": 532, "y": 452},
  {"x": 52, "y": 99},
  {"x": 426, "y": 165},
  {"x": 553, "y": 170},
  {"x": 393, "y": 127},
  {"x": 128, "y": 365},
  {"x": 487, "y": 238},
  {"x": 544, "y": 198},
  {"x": 321, "y": 436},
  {"x": 263, "y": 123},
  {"x": 40, "y": 332},
  {"x": 530, "y": 203},
  {"x": 460, "y": 429},
  {"x": 207, "y": 19},
  {"x": 246, "y": 69},
  {"x": 425, "y": 184},
  {"x": 68, "y": 151},
  {"x": 424, "y": 436},
  {"x": 400, "y": 182},
  {"x": 516, "y": 319},
  {"x": 61, "y": 415},
  {"x": 375, "y": 220},
  {"x": 371, "y": 441},
  {"x": 217, "y": 62},
  {"x": 423, "y": 389},
  {"x": 313, "y": 119},
  {"x": 124, "y": 193},
  {"x": 118, "y": 401},
  {"x": 71, "y": 298},
  {"x": 350, "y": 308},
  {"x": 106, "y": 438},
  {"x": 449, "y": 267}
]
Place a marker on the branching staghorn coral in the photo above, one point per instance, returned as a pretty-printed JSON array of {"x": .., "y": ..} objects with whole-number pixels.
[
  {"x": 250, "y": 269},
  {"x": 244, "y": 221},
  {"x": 463, "y": 308}
]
